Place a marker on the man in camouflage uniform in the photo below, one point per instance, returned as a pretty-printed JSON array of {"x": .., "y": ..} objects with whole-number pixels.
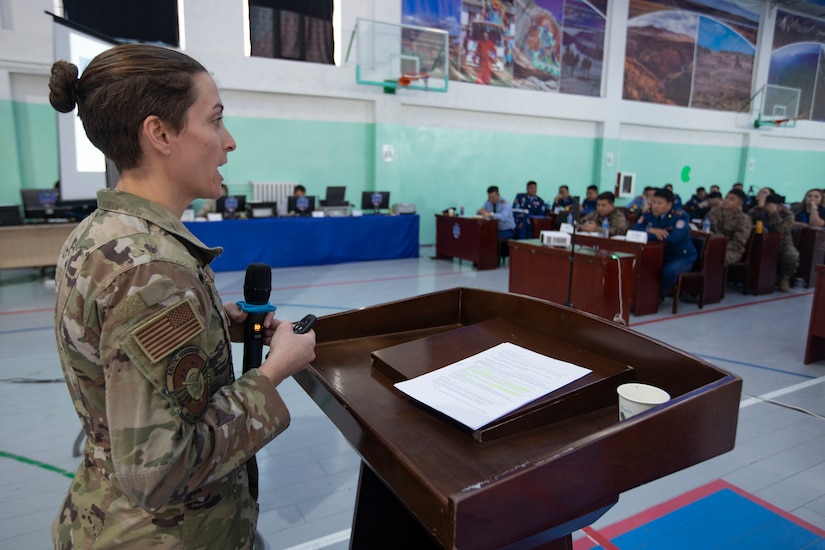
[
  {"x": 605, "y": 209},
  {"x": 778, "y": 219},
  {"x": 729, "y": 221}
]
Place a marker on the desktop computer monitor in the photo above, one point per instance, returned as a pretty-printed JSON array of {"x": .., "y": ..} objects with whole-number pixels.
[
  {"x": 375, "y": 200},
  {"x": 231, "y": 205},
  {"x": 303, "y": 205},
  {"x": 335, "y": 197},
  {"x": 46, "y": 204},
  {"x": 39, "y": 203}
]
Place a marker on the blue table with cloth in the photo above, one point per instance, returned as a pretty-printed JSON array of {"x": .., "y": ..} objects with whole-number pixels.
[{"x": 288, "y": 242}]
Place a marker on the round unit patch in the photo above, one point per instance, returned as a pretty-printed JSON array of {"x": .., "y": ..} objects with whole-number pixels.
[
  {"x": 456, "y": 231},
  {"x": 188, "y": 383}
]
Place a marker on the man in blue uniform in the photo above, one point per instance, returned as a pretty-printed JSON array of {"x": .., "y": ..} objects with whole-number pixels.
[
  {"x": 589, "y": 202},
  {"x": 499, "y": 209},
  {"x": 525, "y": 206},
  {"x": 563, "y": 200},
  {"x": 669, "y": 225}
]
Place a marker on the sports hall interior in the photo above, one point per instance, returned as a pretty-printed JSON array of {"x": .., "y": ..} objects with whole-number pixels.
[{"x": 316, "y": 125}]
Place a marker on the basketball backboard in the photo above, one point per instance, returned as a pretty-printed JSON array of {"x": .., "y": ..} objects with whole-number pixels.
[
  {"x": 394, "y": 55},
  {"x": 777, "y": 106}
]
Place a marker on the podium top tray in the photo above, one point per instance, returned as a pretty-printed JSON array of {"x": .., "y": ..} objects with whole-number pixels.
[{"x": 471, "y": 495}]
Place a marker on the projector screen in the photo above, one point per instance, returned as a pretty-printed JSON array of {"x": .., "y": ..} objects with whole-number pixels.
[{"x": 82, "y": 165}]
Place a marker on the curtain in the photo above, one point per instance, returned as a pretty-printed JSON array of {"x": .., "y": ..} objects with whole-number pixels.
[
  {"x": 144, "y": 21},
  {"x": 292, "y": 29}
]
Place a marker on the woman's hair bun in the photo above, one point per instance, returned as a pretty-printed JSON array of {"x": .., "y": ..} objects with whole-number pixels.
[{"x": 63, "y": 86}]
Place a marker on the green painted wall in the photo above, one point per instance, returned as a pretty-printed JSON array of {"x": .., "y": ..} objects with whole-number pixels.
[
  {"x": 656, "y": 164},
  {"x": 790, "y": 173},
  {"x": 441, "y": 167},
  {"x": 28, "y": 148},
  {"x": 37, "y": 139},
  {"x": 315, "y": 154},
  {"x": 435, "y": 168}
]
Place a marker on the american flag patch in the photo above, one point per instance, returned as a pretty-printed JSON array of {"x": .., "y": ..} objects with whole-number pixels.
[{"x": 168, "y": 330}]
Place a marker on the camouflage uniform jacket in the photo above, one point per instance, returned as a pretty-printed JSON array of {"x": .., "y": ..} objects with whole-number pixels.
[
  {"x": 616, "y": 221},
  {"x": 780, "y": 222},
  {"x": 736, "y": 226},
  {"x": 144, "y": 344}
]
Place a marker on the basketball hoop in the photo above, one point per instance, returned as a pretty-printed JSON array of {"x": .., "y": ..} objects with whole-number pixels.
[{"x": 406, "y": 79}]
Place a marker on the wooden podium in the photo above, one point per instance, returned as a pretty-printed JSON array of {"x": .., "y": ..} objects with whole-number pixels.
[
  {"x": 427, "y": 484},
  {"x": 472, "y": 239}
]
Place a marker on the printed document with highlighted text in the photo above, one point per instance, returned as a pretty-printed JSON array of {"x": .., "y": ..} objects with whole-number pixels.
[{"x": 481, "y": 388}]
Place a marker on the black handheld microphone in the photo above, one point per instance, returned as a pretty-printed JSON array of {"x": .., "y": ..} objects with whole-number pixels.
[{"x": 256, "y": 289}]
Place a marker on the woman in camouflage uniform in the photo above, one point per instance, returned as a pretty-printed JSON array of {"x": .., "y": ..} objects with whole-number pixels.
[{"x": 143, "y": 337}]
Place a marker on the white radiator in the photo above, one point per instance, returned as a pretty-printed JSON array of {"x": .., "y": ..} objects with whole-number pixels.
[{"x": 273, "y": 191}]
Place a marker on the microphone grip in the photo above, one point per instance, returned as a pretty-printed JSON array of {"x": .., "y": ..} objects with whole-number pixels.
[{"x": 253, "y": 341}]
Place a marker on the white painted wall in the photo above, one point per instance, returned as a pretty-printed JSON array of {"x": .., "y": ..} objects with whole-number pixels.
[{"x": 214, "y": 34}]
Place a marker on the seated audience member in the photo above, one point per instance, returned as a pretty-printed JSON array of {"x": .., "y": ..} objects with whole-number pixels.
[
  {"x": 697, "y": 202},
  {"x": 761, "y": 195},
  {"x": 530, "y": 204},
  {"x": 715, "y": 189},
  {"x": 642, "y": 202},
  {"x": 677, "y": 200},
  {"x": 748, "y": 200},
  {"x": 714, "y": 199},
  {"x": 728, "y": 220},
  {"x": 667, "y": 224},
  {"x": 563, "y": 200},
  {"x": 589, "y": 202},
  {"x": 778, "y": 219},
  {"x": 210, "y": 206},
  {"x": 810, "y": 212},
  {"x": 299, "y": 191},
  {"x": 605, "y": 209},
  {"x": 499, "y": 209}
]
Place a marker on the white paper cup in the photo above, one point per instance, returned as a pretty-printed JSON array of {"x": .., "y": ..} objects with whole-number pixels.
[{"x": 635, "y": 398}]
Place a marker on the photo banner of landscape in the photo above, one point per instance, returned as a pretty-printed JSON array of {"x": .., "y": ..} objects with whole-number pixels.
[
  {"x": 546, "y": 45},
  {"x": 798, "y": 61},
  {"x": 691, "y": 53}
]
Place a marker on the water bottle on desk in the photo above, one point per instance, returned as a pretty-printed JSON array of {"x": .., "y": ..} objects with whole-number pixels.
[
  {"x": 570, "y": 218},
  {"x": 605, "y": 228},
  {"x": 706, "y": 225},
  {"x": 461, "y": 211}
]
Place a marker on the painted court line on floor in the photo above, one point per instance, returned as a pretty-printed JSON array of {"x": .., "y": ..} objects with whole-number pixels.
[
  {"x": 754, "y": 365},
  {"x": 723, "y": 308},
  {"x": 780, "y": 392}
]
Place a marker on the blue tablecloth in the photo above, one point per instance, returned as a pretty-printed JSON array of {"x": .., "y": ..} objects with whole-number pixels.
[{"x": 286, "y": 242}]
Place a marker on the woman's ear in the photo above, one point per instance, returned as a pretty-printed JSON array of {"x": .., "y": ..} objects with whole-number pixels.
[{"x": 156, "y": 135}]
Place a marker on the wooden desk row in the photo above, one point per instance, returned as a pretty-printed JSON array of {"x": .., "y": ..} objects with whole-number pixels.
[
  {"x": 811, "y": 245},
  {"x": 32, "y": 245},
  {"x": 815, "y": 348},
  {"x": 476, "y": 240}
]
